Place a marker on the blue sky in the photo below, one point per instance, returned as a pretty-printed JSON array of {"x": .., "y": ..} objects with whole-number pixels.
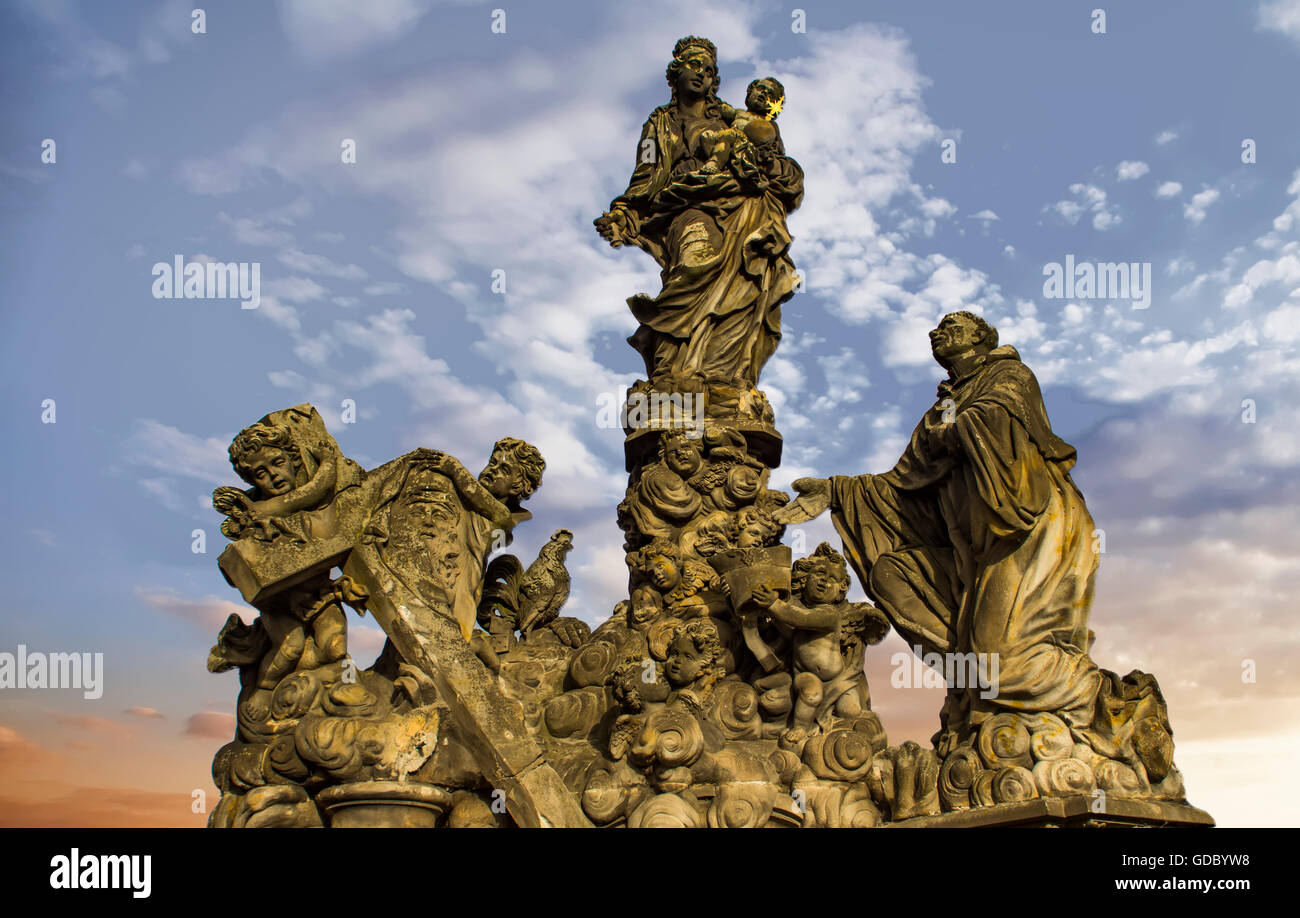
[{"x": 479, "y": 151}]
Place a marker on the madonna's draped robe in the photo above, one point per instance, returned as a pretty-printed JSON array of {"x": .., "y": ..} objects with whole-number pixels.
[{"x": 720, "y": 318}]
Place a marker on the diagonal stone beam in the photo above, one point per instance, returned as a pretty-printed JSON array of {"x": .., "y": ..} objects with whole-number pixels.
[{"x": 489, "y": 723}]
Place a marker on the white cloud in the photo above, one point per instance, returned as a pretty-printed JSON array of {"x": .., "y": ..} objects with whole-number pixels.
[
  {"x": 250, "y": 231},
  {"x": 1194, "y": 211},
  {"x": 1285, "y": 222},
  {"x": 846, "y": 379},
  {"x": 164, "y": 448},
  {"x": 1088, "y": 198},
  {"x": 1131, "y": 169},
  {"x": 1169, "y": 189},
  {"x": 1070, "y": 211},
  {"x": 299, "y": 260},
  {"x": 294, "y": 289},
  {"x": 81, "y": 53},
  {"x": 384, "y": 288},
  {"x": 854, "y": 236},
  {"x": 323, "y": 29},
  {"x": 1281, "y": 16},
  {"x": 1140, "y": 371},
  {"x": 1264, "y": 273},
  {"x": 1166, "y": 136},
  {"x": 209, "y": 613}
]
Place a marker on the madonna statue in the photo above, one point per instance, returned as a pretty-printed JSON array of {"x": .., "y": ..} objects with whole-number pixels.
[{"x": 708, "y": 200}]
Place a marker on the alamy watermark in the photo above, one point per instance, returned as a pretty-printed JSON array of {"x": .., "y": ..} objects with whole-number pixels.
[
  {"x": 75, "y": 870},
  {"x": 652, "y": 411},
  {"x": 202, "y": 280},
  {"x": 1106, "y": 280},
  {"x": 946, "y": 670},
  {"x": 38, "y": 670}
]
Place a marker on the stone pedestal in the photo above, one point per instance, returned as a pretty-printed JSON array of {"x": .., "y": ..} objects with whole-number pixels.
[
  {"x": 383, "y": 805},
  {"x": 1082, "y": 811}
]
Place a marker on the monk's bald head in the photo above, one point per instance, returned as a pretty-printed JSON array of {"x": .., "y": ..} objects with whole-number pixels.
[
  {"x": 988, "y": 335},
  {"x": 961, "y": 334}
]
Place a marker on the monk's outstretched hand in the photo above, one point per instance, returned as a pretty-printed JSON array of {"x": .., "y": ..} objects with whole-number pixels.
[{"x": 813, "y": 500}]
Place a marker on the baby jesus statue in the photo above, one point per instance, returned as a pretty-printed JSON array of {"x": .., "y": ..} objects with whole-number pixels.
[
  {"x": 829, "y": 637},
  {"x": 754, "y": 127}
]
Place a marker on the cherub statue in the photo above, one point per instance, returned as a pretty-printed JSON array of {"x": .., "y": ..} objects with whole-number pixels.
[
  {"x": 695, "y": 662},
  {"x": 757, "y": 528},
  {"x": 295, "y": 471},
  {"x": 829, "y": 637},
  {"x": 646, "y": 607},
  {"x": 764, "y": 100},
  {"x": 639, "y": 685},
  {"x": 307, "y": 632},
  {"x": 710, "y": 534},
  {"x": 291, "y": 465},
  {"x": 682, "y": 583},
  {"x": 643, "y": 688},
  {"x": 663, "y": 497}
]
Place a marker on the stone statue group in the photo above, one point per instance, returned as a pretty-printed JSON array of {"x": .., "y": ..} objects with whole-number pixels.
[{"x": 728, "y": 688}]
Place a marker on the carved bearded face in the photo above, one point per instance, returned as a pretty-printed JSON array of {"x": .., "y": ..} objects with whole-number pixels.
[
  {"x": 427, "y": 503},
  {"x": 272, "y": 471}
]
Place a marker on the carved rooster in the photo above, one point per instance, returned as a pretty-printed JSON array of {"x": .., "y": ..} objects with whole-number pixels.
[{"x": 529, "y": 599}]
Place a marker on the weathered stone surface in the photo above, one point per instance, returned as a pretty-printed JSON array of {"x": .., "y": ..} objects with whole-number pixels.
[
  {"x": 728, "y": 689},
  {"x": 384, "y": 804},
  {"x": 259, "y": 572},
  {"x": 1068, "y": 811},
  {"x": 319, "y": 740},
  {"x": 717, "y": 317},
  {"x": 490, "y": 724},
  {"x": 978, "y": 545}
]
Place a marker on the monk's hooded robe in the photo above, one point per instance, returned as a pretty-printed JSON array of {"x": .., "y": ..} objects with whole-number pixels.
[{"x": 978, "y": 541}]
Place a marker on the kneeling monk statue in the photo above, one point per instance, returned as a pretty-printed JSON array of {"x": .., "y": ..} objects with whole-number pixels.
[{"x": 979, "y": 542}]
